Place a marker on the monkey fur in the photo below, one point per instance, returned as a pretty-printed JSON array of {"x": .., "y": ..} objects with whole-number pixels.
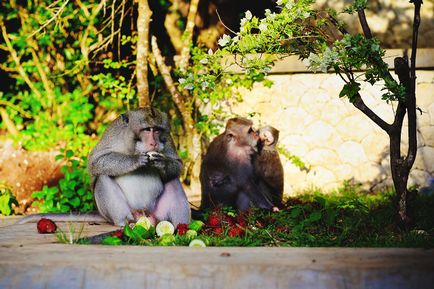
[
  {"x": 267, "y": 165},
  {"x": 227, "y": 173},
  {"x": 134, "y": 171}
]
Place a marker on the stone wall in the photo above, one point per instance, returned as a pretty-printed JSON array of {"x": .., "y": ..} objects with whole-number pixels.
[
  {"x": 331, "y": 135},
  {"x": 391, "y": 21}
]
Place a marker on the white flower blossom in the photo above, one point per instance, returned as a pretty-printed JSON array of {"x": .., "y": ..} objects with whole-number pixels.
[
  {"x": 181, "y": 80},
  {"x": 262, "y": 27},
  {"x": 204, "y": 61},
  {"x": 289, "y": 5},
  {"x": 235, "y": 39},
  {"x": 279, "y": 2},
  {"x": 224, "y": 40},
  {"x": 210, "y": 52},
  {"x": 249, "y": 15},
  {"x": 243, "y": 22},
  {"x": 189, "y": 86},
  {"x": 205, "y": 84}
]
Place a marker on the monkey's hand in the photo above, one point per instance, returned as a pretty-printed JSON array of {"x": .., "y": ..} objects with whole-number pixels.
[
  {"x": 143, "y": 160},
  {"x": 157, "y": 160},
  {"x": 155, "y": 157}
]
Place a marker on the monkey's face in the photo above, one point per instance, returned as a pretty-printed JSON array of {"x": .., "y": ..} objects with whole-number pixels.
[
  {"x": 242, "y": 137},
  {"x": 266, "y": 138},
  {"x": 150, "y": 140}
]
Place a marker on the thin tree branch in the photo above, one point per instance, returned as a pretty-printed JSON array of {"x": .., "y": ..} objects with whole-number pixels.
[
  {"x": 188, "y": 35},
  {"x": 57, "y": 14},
  {"x": 411, "y": 101},
  {"x": 360, "y": 104},
  {"x": 16, "y": 59},
  {"x": 178, "y": 99},
  {"x": 221, "y": 21},
  {"x": 364, "y": 23}
]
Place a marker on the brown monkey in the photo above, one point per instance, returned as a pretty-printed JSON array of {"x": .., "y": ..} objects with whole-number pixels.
[
  {"x": 267, "y": 165},
  {"x": 227, "y": 175},
  {"x": 135, "y": 170}
]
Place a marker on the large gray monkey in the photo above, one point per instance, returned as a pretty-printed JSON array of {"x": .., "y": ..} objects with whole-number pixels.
[{"x": 135, "y": 170}]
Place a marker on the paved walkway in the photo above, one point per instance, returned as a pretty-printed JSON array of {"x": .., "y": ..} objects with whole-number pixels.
[{"x": 31, "y": 260}]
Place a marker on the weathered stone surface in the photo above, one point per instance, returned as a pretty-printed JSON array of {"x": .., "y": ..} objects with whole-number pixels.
[
  {"x": 370, "y": 172},
  {"x": 425, "y": 159},
  {"x": 352, "y": 153}
]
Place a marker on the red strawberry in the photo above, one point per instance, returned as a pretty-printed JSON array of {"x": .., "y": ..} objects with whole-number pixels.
[
  {"x": 182, "y": 229},
  {"x": 46, "y": 226},
  {"x": 218, "y": 231},
  {"x": 229, "y": 220},
  {"x": 242, "y": 221},
  {"x": 118, "y": 234},
  {"x": 213, "y": 220},
  {"x": 235, "y": 232}
]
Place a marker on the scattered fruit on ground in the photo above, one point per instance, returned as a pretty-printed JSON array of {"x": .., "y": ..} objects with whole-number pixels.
[
  {"x": 144, "y": 222},
  {"x": 197, "y": 243},
  {"x": 46, "y": 226},
  {"x": 164, "y": 227},
  {"x": 182, "y": 229}
]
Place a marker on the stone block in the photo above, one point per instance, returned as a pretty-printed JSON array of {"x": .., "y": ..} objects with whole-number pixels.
[
  {"x": 352, "y": 153},
  {"x": 425, "y": 159},
  {"x": 322, "y": 157}
]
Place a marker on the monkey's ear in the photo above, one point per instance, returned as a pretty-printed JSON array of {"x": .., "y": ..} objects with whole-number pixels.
[{"x": 125, "y": 118}]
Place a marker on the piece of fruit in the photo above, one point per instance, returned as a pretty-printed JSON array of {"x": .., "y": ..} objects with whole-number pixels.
[
  {"x": 144, "y": 222},
  {"x": 118, "y": 234},
  {"x": 166, "y": 240},
  {"x": 213, "y": 220},
  {"x": 235, "y": 232},
  {"x": 191, "y": 233},
  {"x": 46, "y": 226},
  {"x": 217, "y": 231},
  {"x": 164, "y": 227},
  {"x": 197, "y": 243},
  {"x": 196, "y": 225},
  {"x": 181, "y": 229}
]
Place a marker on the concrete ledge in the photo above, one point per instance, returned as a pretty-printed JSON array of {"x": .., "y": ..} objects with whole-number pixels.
[{"x": 30, "y": 260}]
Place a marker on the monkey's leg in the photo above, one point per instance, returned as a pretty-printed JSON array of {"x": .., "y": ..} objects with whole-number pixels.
[
  {"x": 173, "y": 205},
  {"x": 111, "y": 201}
]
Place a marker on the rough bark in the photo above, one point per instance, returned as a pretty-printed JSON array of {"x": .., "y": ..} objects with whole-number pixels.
[
  {"x": 143, "y": 20},
  {"x": 188, "y": 35}
]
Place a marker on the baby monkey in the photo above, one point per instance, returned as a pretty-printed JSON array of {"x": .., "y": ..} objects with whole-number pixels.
[{"x": 267, "y": 165}]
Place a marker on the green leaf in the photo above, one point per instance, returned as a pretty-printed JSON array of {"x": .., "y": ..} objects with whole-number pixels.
[
  {"x": 5, "y": 209},
  {"x": 295, "y": 212},
  {"x": 315, "y": 216},
  {"x": 111, "y": 240},
  {"x": 350, "y": 90}
]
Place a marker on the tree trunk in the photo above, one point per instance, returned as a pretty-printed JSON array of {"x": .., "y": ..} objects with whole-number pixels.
[
  {"x": 188, "y": 35},
  {"x": 143, "y": 20}
]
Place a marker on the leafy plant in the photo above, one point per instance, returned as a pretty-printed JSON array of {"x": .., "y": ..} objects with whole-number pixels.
[
  {"x": 73, "y": 193},
  {"x": 7, "y": 199}
]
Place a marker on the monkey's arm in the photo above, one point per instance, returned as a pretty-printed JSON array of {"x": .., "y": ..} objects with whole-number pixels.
[
  {"x": 168, "y": 168},
  {"x": 110, "y": 163}
]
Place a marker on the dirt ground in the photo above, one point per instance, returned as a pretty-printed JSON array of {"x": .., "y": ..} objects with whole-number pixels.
[{"x": 25, "y": 172}]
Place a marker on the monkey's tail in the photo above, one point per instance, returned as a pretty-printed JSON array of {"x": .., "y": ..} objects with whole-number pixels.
[{"x": 63, "y": 217}]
